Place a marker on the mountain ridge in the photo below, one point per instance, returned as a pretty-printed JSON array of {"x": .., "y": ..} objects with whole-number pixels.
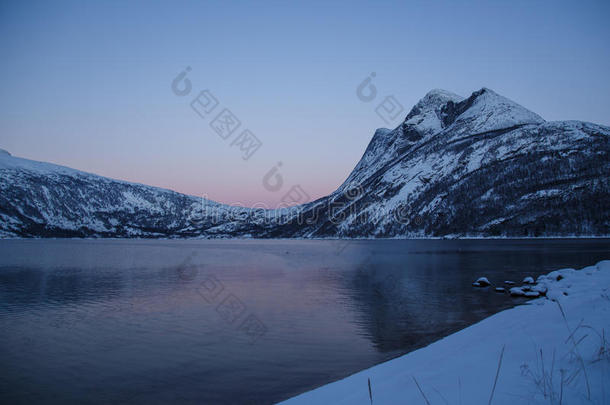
[{"x": 477, "y": 166}]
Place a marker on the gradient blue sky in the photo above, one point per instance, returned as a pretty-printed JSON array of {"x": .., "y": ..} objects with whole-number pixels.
[{"x": 87, "y": 84}]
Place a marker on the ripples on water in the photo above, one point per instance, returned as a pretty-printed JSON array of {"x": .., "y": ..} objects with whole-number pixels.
[{"x": 118, "y": 321}]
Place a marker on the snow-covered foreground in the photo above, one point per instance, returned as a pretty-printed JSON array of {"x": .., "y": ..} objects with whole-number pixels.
[{"x": 554, "y": 350}]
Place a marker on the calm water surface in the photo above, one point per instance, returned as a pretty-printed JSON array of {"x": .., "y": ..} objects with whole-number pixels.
[{"x": 206, "y": 322}]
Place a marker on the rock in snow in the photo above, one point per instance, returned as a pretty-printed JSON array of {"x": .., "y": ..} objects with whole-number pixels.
[
  {"x": 481, "y": 282},
  {"x": 517, "y": 292},
  {"x": 528, "y": 280}
]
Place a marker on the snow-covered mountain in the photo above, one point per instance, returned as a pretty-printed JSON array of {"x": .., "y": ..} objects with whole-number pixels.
[
  {"x": 46, "y": 200},
  {"x": 480, "y": 166}
]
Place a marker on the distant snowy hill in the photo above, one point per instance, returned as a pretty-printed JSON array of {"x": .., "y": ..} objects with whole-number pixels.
[
  {"x": 46, "y": 200},
  {"x": 480, "y": 166}
]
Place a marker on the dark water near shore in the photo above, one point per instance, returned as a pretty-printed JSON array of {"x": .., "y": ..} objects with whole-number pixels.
[{"x": 205, "y": 322}]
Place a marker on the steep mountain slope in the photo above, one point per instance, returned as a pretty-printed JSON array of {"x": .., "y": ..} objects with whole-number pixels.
[{"x": 480, "y": 166}]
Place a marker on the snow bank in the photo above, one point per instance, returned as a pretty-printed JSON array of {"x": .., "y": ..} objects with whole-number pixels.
[{"x": 558, "y": 345}]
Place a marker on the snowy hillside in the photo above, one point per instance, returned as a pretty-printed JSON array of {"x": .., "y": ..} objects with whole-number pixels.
[
  {"x": 481, "y": 166},
  {"x": 46, "y": 200},
  {"x": 476, "y": 166}
]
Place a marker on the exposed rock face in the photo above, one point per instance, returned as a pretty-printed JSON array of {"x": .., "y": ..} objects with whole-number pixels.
[{"x": 480, "y": 166}]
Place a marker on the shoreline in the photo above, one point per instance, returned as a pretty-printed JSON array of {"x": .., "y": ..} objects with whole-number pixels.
[
  {"x": 550, "y": 347},
  {"x": 323, "y": 239}
]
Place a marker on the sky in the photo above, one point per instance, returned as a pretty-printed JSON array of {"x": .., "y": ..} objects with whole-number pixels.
[{"x": 90, "y": 85}]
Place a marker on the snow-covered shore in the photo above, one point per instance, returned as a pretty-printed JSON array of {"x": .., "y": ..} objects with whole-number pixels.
[{"x": 554, "y": 350}]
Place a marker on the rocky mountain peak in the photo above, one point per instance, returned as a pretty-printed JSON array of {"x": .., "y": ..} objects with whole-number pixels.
[
  {"x": 433, "y": 101},
  {"x": 486, "y": 110},
  {"x": 425, "y": 117}
]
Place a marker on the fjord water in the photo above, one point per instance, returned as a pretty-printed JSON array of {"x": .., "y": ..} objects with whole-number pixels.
[{"x": 240, "y": 321}]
